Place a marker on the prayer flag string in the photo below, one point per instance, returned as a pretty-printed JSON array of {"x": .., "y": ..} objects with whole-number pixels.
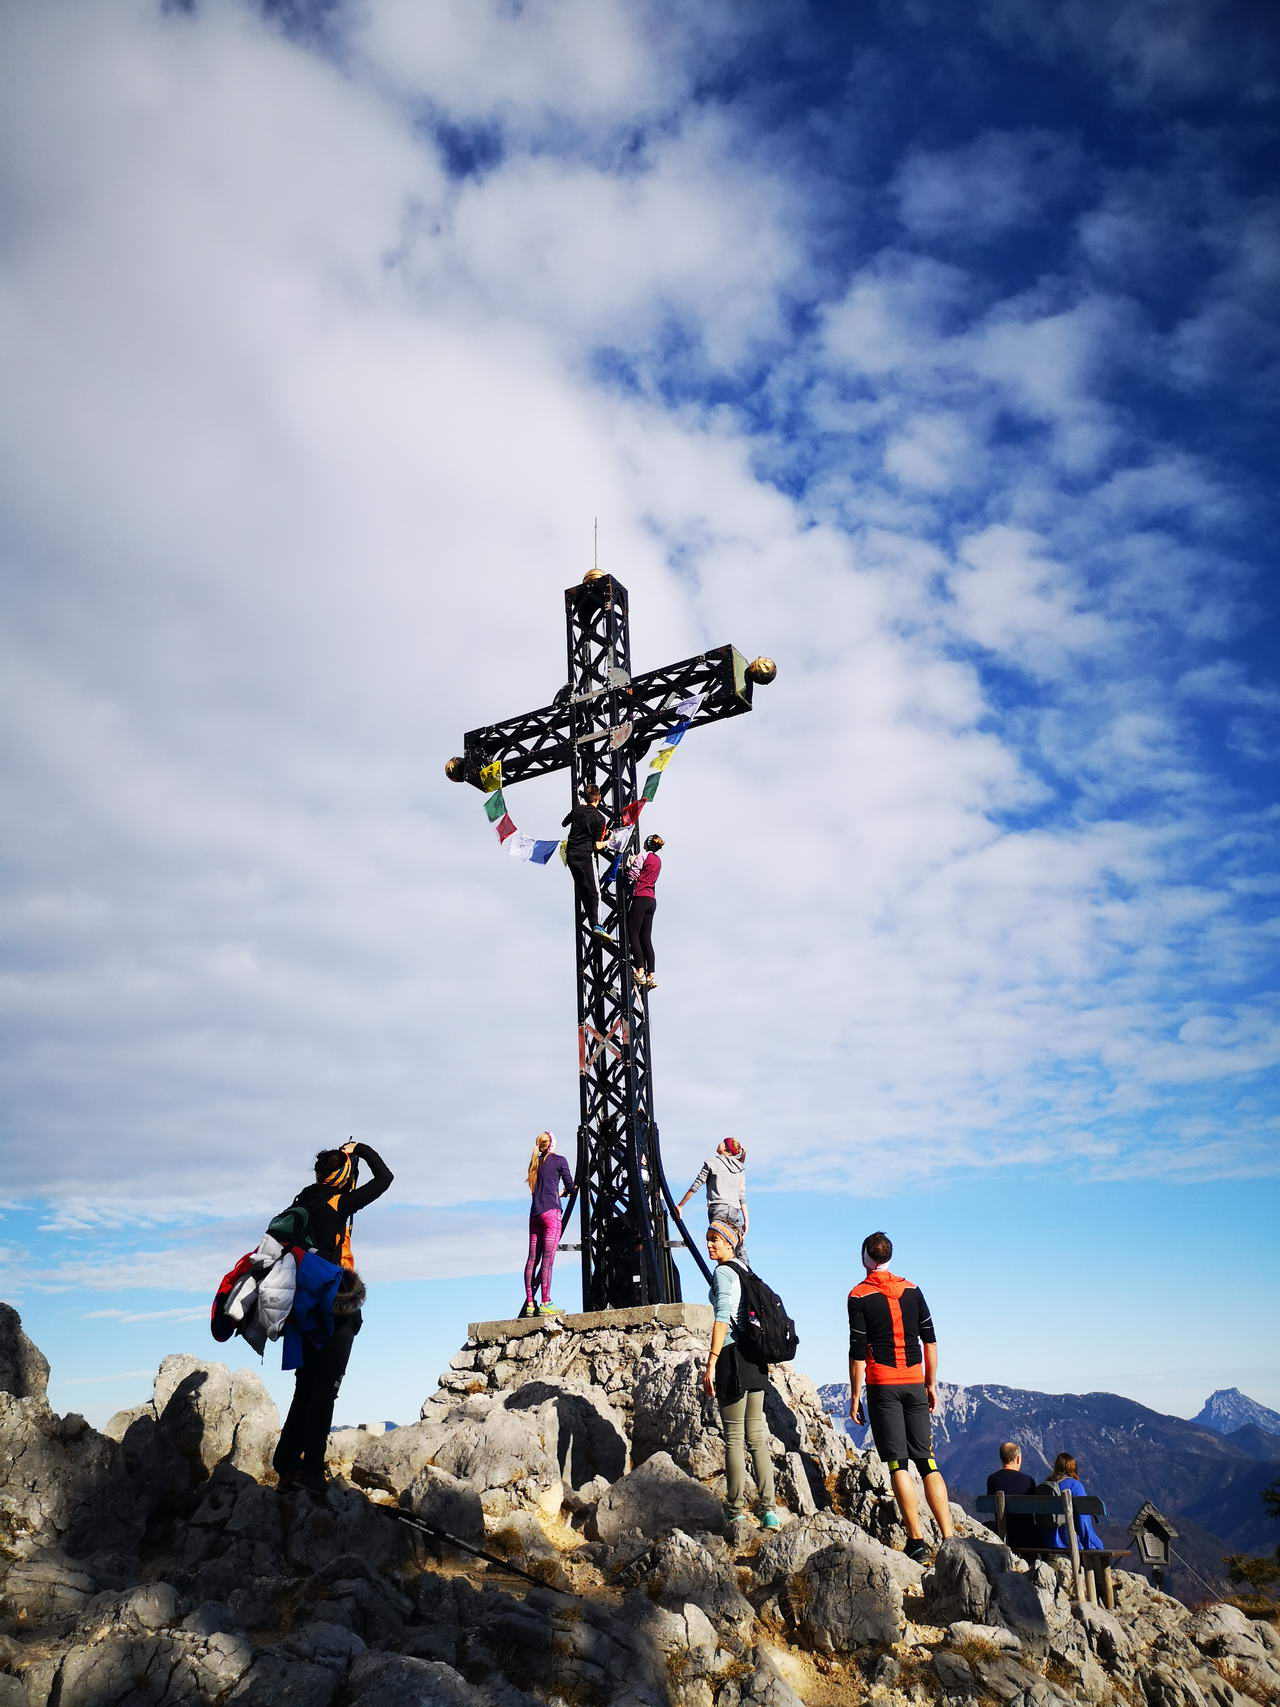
[{"x": 536, "y": 851}]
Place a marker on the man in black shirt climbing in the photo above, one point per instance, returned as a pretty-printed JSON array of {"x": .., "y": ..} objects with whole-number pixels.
[
  {"x": 587, "y": 824},
  {"x": 330, "y": 1203}
]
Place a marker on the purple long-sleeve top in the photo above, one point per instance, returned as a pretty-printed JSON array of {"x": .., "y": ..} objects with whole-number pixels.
[{"x": 552, "y": 1170}]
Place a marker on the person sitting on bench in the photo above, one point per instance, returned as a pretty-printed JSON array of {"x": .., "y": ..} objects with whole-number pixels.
[
  {"x": 1065, "y": 1479},
  {"x": 1011, "y": 1478}
]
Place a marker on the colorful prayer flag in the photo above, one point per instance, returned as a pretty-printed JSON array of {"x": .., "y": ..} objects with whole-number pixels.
[
  {"x": 506, "y": 828},
  {"x": 689, "y": 707},
  {"x": 491, "y": 776},
  {"x": 542, "y": 852},
  {"x": 613, "y": 869},
  {"x": 494, "y": 807},
  {"x": 651, "y": 787},
  {"x": 521, "y": 846},
  {"x": 564, "y": 852},
  {"x": 676, "y": 735},
  {"x": 632, "y": 811},
  {"x": 661, "y": 759}
]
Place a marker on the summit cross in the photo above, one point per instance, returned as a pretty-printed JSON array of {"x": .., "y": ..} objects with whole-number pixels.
[{"x": 595, "y": 728}]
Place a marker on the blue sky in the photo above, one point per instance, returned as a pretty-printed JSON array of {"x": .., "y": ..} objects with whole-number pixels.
[{"x": 931, "y": 352}]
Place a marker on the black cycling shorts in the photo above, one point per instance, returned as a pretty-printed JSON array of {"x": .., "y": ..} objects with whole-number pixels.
[{"x": 899, "y": 1418}]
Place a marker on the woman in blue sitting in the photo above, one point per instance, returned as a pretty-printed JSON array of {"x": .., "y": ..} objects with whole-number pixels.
[{"x": 1065, "y": 1479}]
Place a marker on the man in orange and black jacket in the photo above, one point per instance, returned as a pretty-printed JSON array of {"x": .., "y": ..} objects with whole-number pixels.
[{"x": 893, "y": 1352}]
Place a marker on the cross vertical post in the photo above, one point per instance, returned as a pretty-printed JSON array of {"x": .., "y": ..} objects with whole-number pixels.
[{"x": 596, "y": 728}]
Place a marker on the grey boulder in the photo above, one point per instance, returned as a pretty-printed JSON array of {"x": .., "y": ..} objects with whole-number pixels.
[
  {"x": 959, "y": 1585},
  {"x": 655, "y": 1497},
  {"x": 843, "y": 1597},
  {"x": 447, "y": 1503},
  {"x": 24, "y": 1369}
]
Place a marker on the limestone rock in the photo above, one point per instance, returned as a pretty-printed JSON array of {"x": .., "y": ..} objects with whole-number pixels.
[
  {"x": 392, "y": 1460},
  {"x": 656, "y": 1497},
  {"x": 671, "y": 1414},
  {"x": 447, "y": 1503},
  {"x": 678, "y": 1568},
  {"x": 24, "y": 1369},
  {"x": 579, "y": 1426},
  {"x": 1106, "y": 1635},
  {"x": 1161, "y": 1686},
  {"x": 47, "y": 1588},
  {"x": 214, "y": 1415},
  {"x": 62, "y": 1483},
  {"x": 992, "y": 1636},
  {"x": 844, "y": 1597},
  {"x": 788, "y": 1549},
  {"x": 953, "y": 1673},
  {"x": 506, "y": 1459},
  {"x": 959, "y": 1585},
  {"x": 394, "y": 1680}
]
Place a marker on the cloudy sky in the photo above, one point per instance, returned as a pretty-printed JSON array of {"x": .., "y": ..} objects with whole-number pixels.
[{"x": 928, "y": 349}]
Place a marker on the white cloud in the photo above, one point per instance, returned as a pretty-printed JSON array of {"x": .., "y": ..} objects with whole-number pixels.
[
  {"x": 1000, "y": 180},
  {"x": 308, "y": 444}
]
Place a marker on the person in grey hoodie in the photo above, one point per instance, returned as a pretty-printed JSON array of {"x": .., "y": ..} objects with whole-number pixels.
[{"x": 725, "y": 1178}]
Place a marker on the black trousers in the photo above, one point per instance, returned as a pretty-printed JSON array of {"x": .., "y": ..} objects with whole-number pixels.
[
  {"x": 305, "y": 1435},
  {"x": 640, "y": 930},
  {"x": 582, "y": 868}
]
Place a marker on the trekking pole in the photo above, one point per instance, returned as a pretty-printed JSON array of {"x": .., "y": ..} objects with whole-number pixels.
[{"x": 426, "y": 1528}]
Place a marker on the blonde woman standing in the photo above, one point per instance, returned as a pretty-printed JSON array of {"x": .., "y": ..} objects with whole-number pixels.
[{"x": 548, "y": 1179}]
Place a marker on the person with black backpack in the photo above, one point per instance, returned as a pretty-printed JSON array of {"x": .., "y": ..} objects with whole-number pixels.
[
  {"x": 737, "y": 1372},
  {"x": 321, "y": 1215}
]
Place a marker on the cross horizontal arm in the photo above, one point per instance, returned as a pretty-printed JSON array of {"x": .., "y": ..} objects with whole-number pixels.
[{"x": 540, "y": 742}]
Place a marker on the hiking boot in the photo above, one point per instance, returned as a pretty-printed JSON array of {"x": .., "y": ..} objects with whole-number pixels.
[
  {"x": 917, "y": 1550},
  {"x": 638, "y": 976},
  {"x": 769, "y": 1518},
  {"x": 602, "y": 935},
  {"x": 735, "y": 1525},
  {"x": 550, "y": 1310},
  {"x": 316, "y": 1486},
  {"x": 651, "y": 983},
  {"x": 287, "y": 1482},
  {"x": 528, "y": 1308}
]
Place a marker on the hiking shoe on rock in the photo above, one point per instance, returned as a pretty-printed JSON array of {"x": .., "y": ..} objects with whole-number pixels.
[
  {"x": 550, "y": 1310},
  {"x": 769, "y": 1518},
  {"x": 917, "y": 1550},
  {"x": 316, "y": 1486}
]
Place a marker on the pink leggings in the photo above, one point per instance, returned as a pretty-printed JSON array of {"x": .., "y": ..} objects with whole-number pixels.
[{"x": 544, "y": 1237}]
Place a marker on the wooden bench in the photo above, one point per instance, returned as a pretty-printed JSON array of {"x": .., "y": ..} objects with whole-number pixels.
[{"x": 1090, "y": 1566}]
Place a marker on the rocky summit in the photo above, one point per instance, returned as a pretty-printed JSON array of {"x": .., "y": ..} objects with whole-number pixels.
[{"x": 155, "y": 1564}]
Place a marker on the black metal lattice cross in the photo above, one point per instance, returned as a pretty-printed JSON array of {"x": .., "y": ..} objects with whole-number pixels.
[{"x": 622, "y": 1193}]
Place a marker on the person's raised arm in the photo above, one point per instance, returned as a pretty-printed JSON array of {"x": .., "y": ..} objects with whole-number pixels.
[{"x": 374, "y": 1188}]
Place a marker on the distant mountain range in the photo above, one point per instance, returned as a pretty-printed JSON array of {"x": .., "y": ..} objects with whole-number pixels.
[
  {"x": 1229, "y": 1410},
  {"x": 1206, "y": 1475}
]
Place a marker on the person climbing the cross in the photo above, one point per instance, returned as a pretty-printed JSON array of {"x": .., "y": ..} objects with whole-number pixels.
[
  {"x": 643, "y": 870},
  {"x": 587, "y": 825},
  {"x": 725, "y": 1177}
]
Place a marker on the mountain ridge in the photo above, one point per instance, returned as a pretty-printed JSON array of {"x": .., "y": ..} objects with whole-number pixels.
[{"x": 1229, "y": 1410}]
